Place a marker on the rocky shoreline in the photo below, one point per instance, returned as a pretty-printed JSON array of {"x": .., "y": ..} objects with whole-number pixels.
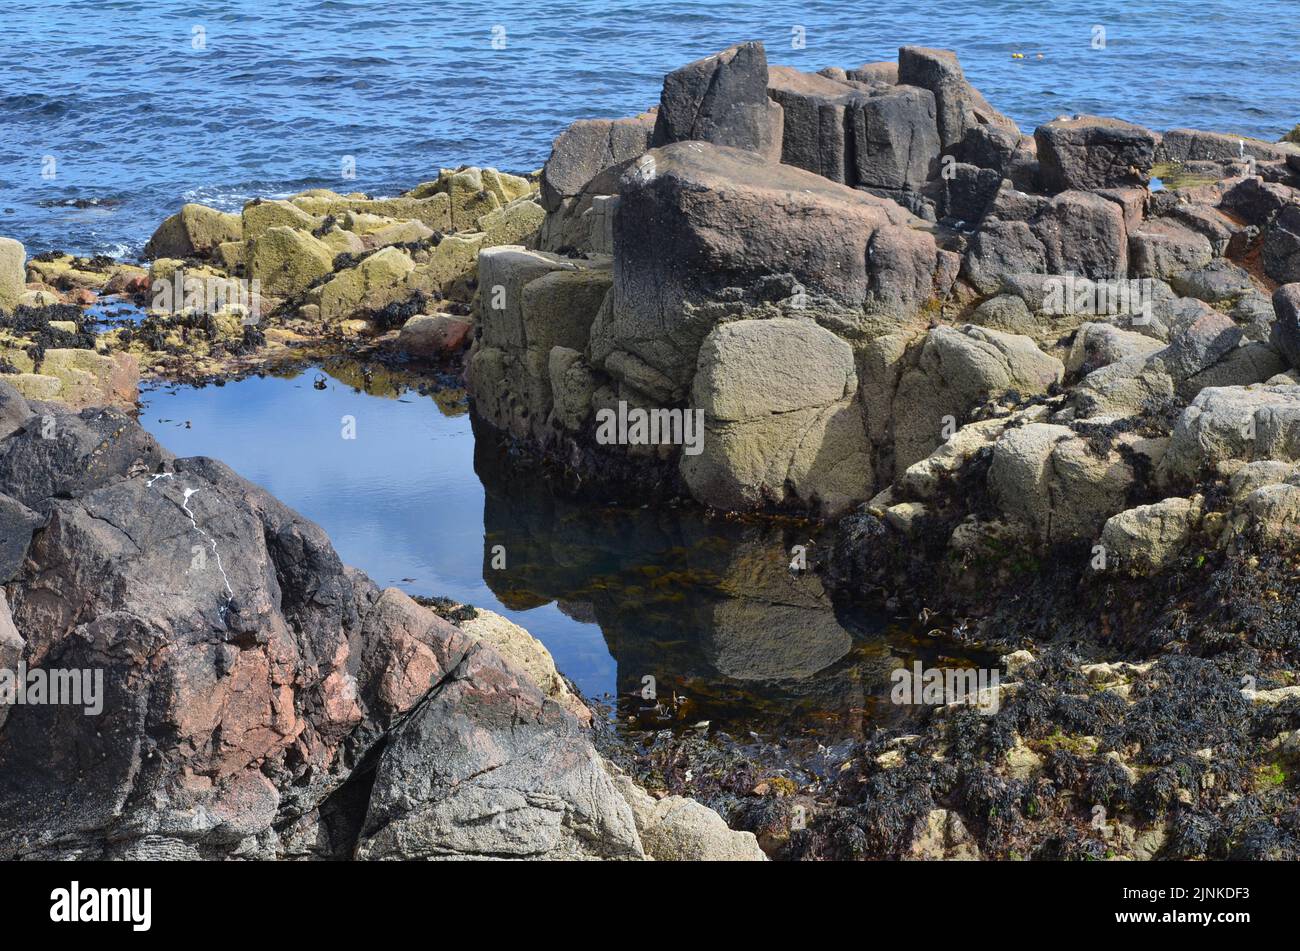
[{"x": 1044, "y": 387}]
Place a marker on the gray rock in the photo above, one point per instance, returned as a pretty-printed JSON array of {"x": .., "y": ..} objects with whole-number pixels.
[
  {"x": 957, "y": 369},
  {"x": 1163, "y": 248},
  {"x": 715, "y": 218},
  {"x": 1144, "y": 539},
  {"x": 1225, "y": 426},
  {"x": 235, "y": 646},
  {"x": 1008, "y": 313},
  {"x": 1101, "y": 344},
  {"x": 1217, "y": 227},
  {"x": 895, "y": 138},
  {"x": 1186, "y": 145},
  {"x": 968, "y": 192},
  {"x": 1000, "y": 252},
  {"x": 1089, "y": 152},
  {"x": 1218, "y": 281},
  {"x": 679, "y": 829},
  {"x": 1254, "y": 312},
  {"x": 1050, "y": 480},
  {"x": 816, "y": 125},
  {"x": 1075, "y": 233},
  {"x": 1250, "y": 362},
  {"x": 17, "y": 522},
  {"x": 988, "y": 146},
  {"x": 875, "y": 74},
  {"x": 586, "y": 149},
  {"x": 781, "y": 422},
  {"x": 1256, "y": 201},
  {"x": 1286, "y": 305},
  {"x": 721, "y": 99},
  {"x": 960, "y": 106},
  {"x": 1281, "y": 249},
  {"x": 1083, "y": 234},
  {"x": 1197, "y": 345},
  {"x": 487, "y": 766}
]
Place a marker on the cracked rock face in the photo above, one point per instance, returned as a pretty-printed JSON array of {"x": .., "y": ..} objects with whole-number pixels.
[{"x": 260, "y": 699}]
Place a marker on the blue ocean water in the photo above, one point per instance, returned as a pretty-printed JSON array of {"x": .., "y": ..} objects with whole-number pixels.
[{"x": 113, "y": 112}]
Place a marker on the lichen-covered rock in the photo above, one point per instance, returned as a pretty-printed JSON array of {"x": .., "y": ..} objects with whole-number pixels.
[
  {"x": 379, "y": 280},
  {"x": 13, "y": 274},
  {"x": 560, "y": 306},
  {"x": 469, "y": 199},
  {"x": 261, "y": 215},
  {"x": 1271, "y": 514},
  {"x": 530, "y": 303},
  {"x": 88, "y": 378},
  {"x": 194, "y": 231},
  {"x": 922, "y": 480},
  {"x": 431, "y": 209},
  {"x": 959, "y": 368},
  {"x": 1225, "y": 426},
  {"x": 518, "y": 222},
  {"x": 1144, "y": 539},
  {"x": 504, "y": 272},
  {"x": 287, "y": 261},
  {"x": 450, "y": 269},
  {"x": 398, "y": 232},
  {"x": 781, "y": 423},
  {"x": 573, "y": 384}
]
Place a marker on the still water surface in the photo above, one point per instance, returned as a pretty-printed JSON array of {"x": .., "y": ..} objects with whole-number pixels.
[{"x": 707, "y": 606}]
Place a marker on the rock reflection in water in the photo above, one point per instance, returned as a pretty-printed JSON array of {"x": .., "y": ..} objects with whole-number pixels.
[{"x": 707, "y": 606}]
